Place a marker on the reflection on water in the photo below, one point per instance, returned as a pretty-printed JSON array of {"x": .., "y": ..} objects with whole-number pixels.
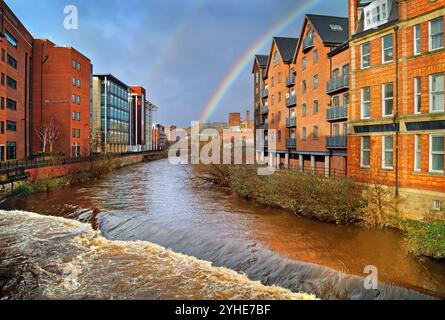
[{"x": 156, "y": 202}]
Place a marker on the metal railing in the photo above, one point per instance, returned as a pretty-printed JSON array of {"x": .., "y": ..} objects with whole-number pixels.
[
  {"x": 291, "y": 122},
  {"x": 291, "y": 143},
  {"x": 290, "y": 80},
  {"x": 265, "y": 110},
  {"x": 265, "y": 93},
  {"x": 291, "y": 101},
  {"x": 335, "y": 142},
  {"x": 338, "y": 83},
  {"x": 321, "y": 171},
  {"x": 308, "y": 42},
  {"x": 336, "y": 113}
]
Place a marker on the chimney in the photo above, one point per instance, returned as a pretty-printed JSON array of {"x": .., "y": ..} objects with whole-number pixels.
[
  {"x": 248, "y": 119},
  {"x": 234, "y": 120}
]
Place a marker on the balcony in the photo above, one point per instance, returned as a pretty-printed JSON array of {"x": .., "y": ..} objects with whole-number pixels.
[
  {"x": 336, "y": 142},
  {"x": 308, "y": 43},
  {"x": 265, "y": 110},
  {"x": 291, "y": 122},
  {"x": 291, "y": 143},
  {"x": 257, "y": 107},
  {"x": 337, "y": 113},
  {"x": 290, "y": 80},
  {"x": 264, "y": 126},
  {"x": 264, "y": 93},
  {"x": 338, "y": 84},
  {"x": 291, "y": 101}
]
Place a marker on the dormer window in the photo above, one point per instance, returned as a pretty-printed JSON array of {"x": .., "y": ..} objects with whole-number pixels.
[
  {"x": 275, "y": 57},
  {"x": 376, "y": 13}
]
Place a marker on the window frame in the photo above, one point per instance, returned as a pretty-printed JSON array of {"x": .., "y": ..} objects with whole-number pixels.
[
  {"x": 391, "y": 48},
  {"x": 363, "y": 150},
  {"x": 385, "y": 150},
  {"x": 417, "y": 152},
  {"x": 385, "y": 99},
  {"x": 417, "y": 38},
  {"x": 367, "y": 55},
  {"x": 362, "y": 102},
  {"x": 417, "y": 89},
  {"x": 438, "y": 92},
  {"x": 431, "y": 154},
  {"x": 430, "y": 42}
]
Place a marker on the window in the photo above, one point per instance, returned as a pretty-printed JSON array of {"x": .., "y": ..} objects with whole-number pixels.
[
  {"x": 315, "y": 133},
  {"x": 303, "y": 86},
  {"x": 73, "y": 133},
  {"x": 11, "y": 83},
  {"x": 304, "y": 133},
  {"x": 12, "y": 62},
  {"x": 417, "y": 39},
  {"x": 73, "y": 98},
  {"x": 315, "y": 107},
  {"x": 417, "y": 152},
  {"x": 388, "y": 99},
  {"x": 366, "y": 103},
  {"x": 73, "y": 81},
  {"x": 436, "y": 34},
  {"x": 11, "y": 125},
  {"x": 78, "y": 67},
  {"x": 366, "y": 55},
  {"x": 376, "y": 13},
  {"x": 78, "y": 99},
  {"x": 3, "y": 103},
  {"x": 272, "y": 82},
  {"x": 78, "y": 133},
  {"x": 418, "y": 95},
  {"x": 2, "y": 127},
  {"x": 273, "y": 99},
  {"x": 275, "y": 57},
  {"x": 346, "y": 101},
  {"x": 303, "y": 110},
  {"x": 3, "y": 79},
  {"x": 437, "y": 153},
  {"x": 272, "y": 120},
  {"x": 436, "y": 93},
  {"x": 388, "y": 152},
  {"x": 365, "y": 152},
  {"x": 11, "y": 104},
  {"x": 316, "y": 82},
  {"x": 12, "y": 41},
  {"x": 279, "y": 96},
  {"x": 436, "y": 205},
  {"x": 73, "y": 115},
  {"x": 279, "y": 135},
  {"x": 78, "y": 116},
  {"x": 387, "y": 53},
  {"x": 74, "y": 64},
  {"x": 303, "y": 62},
  {"x": 257, "y": 77},
  {"x": 279, "y": 116},
  {"x": 280, "y": 76},
  {"x": 11, "y": 150},
  {"x": 315, "y": 56}
]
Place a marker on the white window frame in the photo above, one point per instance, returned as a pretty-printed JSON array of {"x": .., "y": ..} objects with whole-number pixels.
[
  {"x": 417, "y": 94},
  {"x": 381, "y": 7},
  {"x": 431, "y": 93},
  {"x": 384, "y": 99},
  {"x": 417, "y": 36},
  {"x": 430, "y": 42},
  {"x": 431, "y": 154},
  {"x": 384, "y": 151},
  {"x": 417, "y": 152},
  {"x": 362, "y": 150},
  {"x": 361, "y": 55},
  {"x": 383, "y": 48},
  {"x": 362, "y": 103},
  {"x": 304, "y": 133}
]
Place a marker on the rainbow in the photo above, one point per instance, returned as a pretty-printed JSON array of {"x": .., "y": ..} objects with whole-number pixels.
[{"x": 247, "y": 58}]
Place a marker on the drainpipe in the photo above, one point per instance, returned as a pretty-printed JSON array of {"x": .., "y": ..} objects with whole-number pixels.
[{"x": 396, "y": 116}]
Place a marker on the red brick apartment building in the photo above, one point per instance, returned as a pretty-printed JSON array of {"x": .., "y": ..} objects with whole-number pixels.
[
  {"x": 61, "y": 96},
  {"x": 15, "y": 79},
  {"x": 260, "y": 112},
  {"x": 138, "y": 117},
  {"x": 321, "y": 64},
  {"x": 396, "y": 112}
]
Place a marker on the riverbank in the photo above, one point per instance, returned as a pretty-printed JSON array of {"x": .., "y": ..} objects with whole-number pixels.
[
  {"x": 51, "y": 177},
  {"x": 339, "y": 201},
  {"x": 45, "y": 257}
]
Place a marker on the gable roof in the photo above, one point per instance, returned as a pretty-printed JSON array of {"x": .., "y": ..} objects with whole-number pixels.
[
  {"x": 262, "y": 60},
  {"x": 286, "y": 47}
]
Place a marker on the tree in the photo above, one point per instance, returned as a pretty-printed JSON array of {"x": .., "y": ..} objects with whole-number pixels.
[
  {"x": 48, "y": 134},
  {"x": 96, "y": 140}
]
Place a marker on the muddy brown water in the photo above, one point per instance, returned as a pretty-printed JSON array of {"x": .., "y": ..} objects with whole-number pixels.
[{"x": 156, "y": 202}]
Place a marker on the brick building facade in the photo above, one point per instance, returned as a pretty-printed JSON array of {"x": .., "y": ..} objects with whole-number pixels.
[
  {"x": 61, "y": 98},
  {"x": 260, "y": 111},
  {"x": 138, "y": 117},
  {"x": 15, "y": 88}
]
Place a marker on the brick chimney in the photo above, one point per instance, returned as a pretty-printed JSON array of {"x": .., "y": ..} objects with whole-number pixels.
[
  {"x": 248, "y": 119},
  {"x": 234, "y": 120}
]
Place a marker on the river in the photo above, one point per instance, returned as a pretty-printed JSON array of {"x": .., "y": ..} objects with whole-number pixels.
[{"x": 156, "y": 202}]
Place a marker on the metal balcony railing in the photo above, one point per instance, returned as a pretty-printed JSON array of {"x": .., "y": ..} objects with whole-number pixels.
[
  {"x": 291, "y": 143},
  {"x": 265, "y": 110},
  {"x": 308, "y": 42},
  {"x": 336, "y": 142},
  {"x": 290, "y": 80},
  {"x": 291, "y": 101},
  {"x": 291, "y": 122},
  {"x": 336, "y": 113},
  {"x": 338, "y": 83},
  {"x": 265, "y": 93}
]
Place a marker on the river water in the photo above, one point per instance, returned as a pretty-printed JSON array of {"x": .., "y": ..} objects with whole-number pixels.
[{"x": 156, "y": 202}]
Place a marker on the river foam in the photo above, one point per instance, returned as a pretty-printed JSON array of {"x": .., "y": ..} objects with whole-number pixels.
[{"x": 45, "y": 257}]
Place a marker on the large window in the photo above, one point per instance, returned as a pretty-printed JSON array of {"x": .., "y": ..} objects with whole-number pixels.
[
  {"x": 388, "y": 99},
  {"x": 12, "y": 41},
  {"x": 387, "y": 152},
  {"x": 11, "y": 125},
  {"x": 437, "y": 153},
  {"x": 366, "y": 103},
  {"x": 417, "y": 152},
  {"x": 417, "y": 39},
  {"x": 11, "y": 150},
  {"x": 418, "y": 95},
  {"x": 366, "y": 55},
  {"x": 365, "y": 152},
  {"x": 387, "y": 49},
  {"x": 315, "y": 133},
  {"x": 436, "y": 34},
  {"x": 11, "y": 83},
  {"x": 436, "y": 93},
  {"x": 12, "y": 62},
  {"x": 11, "y": 104},
  {"x": 376, "y": 13}
]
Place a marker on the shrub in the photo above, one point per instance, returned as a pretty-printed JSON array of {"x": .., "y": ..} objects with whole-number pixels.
[{"x": 23, "y": 190}]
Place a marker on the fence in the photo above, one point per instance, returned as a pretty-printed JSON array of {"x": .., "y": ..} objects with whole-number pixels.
[{"x": 322, "y": 171}]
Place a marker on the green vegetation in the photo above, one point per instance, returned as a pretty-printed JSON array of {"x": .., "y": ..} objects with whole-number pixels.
[{"x": 23, "y": 190}]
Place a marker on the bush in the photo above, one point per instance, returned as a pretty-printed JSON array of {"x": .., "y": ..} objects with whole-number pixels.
[
  {"x": 23, "y": 190},
  {"x": 426, "y": 238}
]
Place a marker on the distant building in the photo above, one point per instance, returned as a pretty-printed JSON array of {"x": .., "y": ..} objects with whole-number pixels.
[
  {"x": 260, "y": 109},
  {"x": 15, "y": 88},
  {"x": 61, "y": 98},
  {"x": 235, "y": 121},
  {"x": 169, "y": 132},
  {"x": 158, "y": 137},
  {"x": 137, "y": 118},
  {"x": 151, "y": 109},
  {"x": 110, "y": 114}
]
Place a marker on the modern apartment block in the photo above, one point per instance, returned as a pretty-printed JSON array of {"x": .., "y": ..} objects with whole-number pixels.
[
  {"x": 321, "y": 64},
  {"x": 279, "y": 97},
  {"x": 137, "y": 117},
  {"x": 260, "y": 111},
  {"x": 151, "y": 110},
  {"x": 396, "y": 113},
  {"x": 15, "y": 86},
  {"x": 110, "y": 114},
  {"x": 60, "y": 99}
]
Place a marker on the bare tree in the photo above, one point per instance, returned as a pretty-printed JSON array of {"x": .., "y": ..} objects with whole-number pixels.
[
  {"x": 48, "y": 134},
  {"x": 96, "y": 141}
]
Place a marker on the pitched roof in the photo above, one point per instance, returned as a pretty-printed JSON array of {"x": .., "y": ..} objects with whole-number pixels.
[
  {"x": 262, "y": 59},
  {"x": 331, "y": 29},
  {"x": 286, "y": 47}
]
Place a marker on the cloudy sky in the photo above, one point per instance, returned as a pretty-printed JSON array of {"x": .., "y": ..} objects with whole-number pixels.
[{"x": 180, "y": 50}]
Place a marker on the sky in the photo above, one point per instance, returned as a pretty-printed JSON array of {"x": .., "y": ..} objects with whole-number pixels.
[{"x": 179, "y": 50}]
